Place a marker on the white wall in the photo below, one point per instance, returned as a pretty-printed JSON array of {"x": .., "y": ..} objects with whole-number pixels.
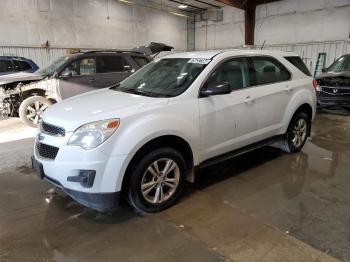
[
  {"x": 226, "y": 34},
  {"x": 84, "y": 24},
  {"x": 302, "y": 21}
]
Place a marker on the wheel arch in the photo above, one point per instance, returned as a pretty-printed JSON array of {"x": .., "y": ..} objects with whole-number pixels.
[
  {"x": 307, "y": 109},
  {"x": 32, "y": 92},
  {"x": 172, "y": 141}
]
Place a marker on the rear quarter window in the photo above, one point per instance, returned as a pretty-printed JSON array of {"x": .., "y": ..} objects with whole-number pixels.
[{"x": 298, "y": 63}]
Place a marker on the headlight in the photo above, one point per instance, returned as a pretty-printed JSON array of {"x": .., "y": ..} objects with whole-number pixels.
[{"x": 94, "y": 134}]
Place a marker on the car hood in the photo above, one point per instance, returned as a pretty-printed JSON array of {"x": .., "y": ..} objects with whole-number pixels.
[
  {"x": 334, "y": 74},
  {"x": 19, "y": 77},
  {"x": 98, "y": 105}
]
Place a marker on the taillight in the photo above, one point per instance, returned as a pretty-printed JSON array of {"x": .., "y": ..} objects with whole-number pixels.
[{"x": 315, "y": 85}]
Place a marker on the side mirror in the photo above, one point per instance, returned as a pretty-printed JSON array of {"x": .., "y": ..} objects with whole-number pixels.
[
  {"x": 218, "y": 89},
  {"x": 66, "y": 74}
]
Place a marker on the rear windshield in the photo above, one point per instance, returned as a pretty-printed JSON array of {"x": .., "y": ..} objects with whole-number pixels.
[{"x": 298, "y": 63}]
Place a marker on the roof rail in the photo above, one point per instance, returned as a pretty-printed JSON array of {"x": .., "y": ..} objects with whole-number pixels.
[{"x": 110, "y": 51}]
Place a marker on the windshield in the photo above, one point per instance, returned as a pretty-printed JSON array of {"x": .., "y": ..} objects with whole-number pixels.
[
  {"x": 51, "y": 67},
  {"x": 342, "y": 64},
  {"x": 164, "y": 78}
]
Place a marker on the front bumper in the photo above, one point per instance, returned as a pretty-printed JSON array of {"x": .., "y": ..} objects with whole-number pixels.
[
  {"x": 325, "y": 99},
  {"x": 68, "y": 166},
  {"x": 98, "y": 201}
]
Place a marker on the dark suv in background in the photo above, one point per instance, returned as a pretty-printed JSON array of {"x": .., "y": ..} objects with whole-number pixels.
[
  {"x": 333, "y": 85},
  {"x": 27, "y": 95},
  {"x": 13, "y": 64}
]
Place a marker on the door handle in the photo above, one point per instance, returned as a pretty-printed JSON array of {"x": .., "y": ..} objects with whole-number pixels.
[
  {"x": 287, "y": 89},
  {"x": 92, "y": 79},
  {"x": 248, "y": 100}
]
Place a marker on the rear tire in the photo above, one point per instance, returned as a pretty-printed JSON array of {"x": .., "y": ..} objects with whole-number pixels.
[
  {"x": 157, "y": 181},
  {"x": 31, "y": 109},
  {"x": 297, "y": 133}
]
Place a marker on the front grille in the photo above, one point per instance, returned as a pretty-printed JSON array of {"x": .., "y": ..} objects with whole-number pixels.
[
  {"x": 335, "y": 92},
  {"x": 47, "y": 151},
  {"x": 52, "y": 129}
]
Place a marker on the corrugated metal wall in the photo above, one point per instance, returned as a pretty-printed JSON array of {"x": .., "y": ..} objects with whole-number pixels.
[
  {"x": 309, "y": 51},
  {"x": 39, "y": 55}
]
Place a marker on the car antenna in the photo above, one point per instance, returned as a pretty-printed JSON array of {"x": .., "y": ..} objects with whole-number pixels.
[{"x": 262, "y": 47}]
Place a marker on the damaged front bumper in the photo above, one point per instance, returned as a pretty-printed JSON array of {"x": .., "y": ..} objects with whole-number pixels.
[{"x": 8, "y": 101}]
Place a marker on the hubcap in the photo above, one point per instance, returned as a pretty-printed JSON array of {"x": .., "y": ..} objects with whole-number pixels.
[
  {"x": 160, "y": 180},
  {"x": 35, "y": 110},
  {"x": 299, "y": 133}
]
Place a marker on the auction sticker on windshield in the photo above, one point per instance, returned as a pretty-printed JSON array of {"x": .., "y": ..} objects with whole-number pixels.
[{"x": 202, "y": 61}]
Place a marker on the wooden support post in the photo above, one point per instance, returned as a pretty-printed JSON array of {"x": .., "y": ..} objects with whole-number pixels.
[{"x": 249, "y": 24}]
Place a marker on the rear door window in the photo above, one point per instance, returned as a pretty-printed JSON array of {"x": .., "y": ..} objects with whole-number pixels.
[
  {"x": 110, "y": 64},
  {"x": 140, "y": 60},
  {"x": 267, "y": 70},
  {"x": 21, "y": 65},
  {"x": 5, "y": 66},
  {"x": 298, "y": 63}
]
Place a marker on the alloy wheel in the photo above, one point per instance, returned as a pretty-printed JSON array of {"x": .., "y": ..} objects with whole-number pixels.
[
  {"x": 160, "y": 180},
  {"x": 299, "y": 133},
  {"x": 34, "y": 111}
]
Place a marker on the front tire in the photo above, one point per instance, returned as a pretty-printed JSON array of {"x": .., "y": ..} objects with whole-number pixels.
[
  {"x": 157, "y": 180},
  {"x": 31, "y": 109},
  {"x": 297, "y": 133}
]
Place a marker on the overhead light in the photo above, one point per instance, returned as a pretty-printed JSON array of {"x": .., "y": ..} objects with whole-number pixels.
[
  {"x": 126, "y": 1},
  {"x": 174, "y": 13},
  {"x": 182, "y": 6}
]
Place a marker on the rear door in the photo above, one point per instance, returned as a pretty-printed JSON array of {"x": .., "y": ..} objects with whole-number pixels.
[{"x": 272, "y": 90}]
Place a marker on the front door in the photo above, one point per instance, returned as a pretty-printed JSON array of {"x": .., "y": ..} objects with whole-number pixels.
[
  {"x": 89, "y": 73},
  {"x": 227, "y": 121},
  {"x": 78, "y": 77}
]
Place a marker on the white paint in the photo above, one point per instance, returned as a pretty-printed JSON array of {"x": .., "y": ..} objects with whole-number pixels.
[
  {"x": 212, "y": 125},
  {"x": 218, "y": 35},
  {"x": 89, "y": 24},
  {"x": 300, "y": 21}
]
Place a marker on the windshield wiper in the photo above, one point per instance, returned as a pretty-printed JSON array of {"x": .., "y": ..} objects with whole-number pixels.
[{"x": 114, "y": 87}]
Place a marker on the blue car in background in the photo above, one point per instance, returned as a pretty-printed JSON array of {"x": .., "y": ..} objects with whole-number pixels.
[{"x": 13, "y": 64}]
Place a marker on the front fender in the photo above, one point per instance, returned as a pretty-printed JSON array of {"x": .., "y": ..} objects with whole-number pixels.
[
  {"x": 136, "y": 132},
  {"x": 141, "y": 132}
]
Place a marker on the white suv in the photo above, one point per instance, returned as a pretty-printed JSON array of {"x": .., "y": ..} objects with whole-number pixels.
[{"x": 145, "y": 137}]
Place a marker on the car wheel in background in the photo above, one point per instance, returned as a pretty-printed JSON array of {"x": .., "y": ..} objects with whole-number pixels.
[
  {"x": 157, "y": 180},
  {"x": 31, "y": 109}
]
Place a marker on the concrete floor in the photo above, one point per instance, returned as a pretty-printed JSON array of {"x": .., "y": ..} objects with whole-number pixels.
[{"x": 263, "y": 206}]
